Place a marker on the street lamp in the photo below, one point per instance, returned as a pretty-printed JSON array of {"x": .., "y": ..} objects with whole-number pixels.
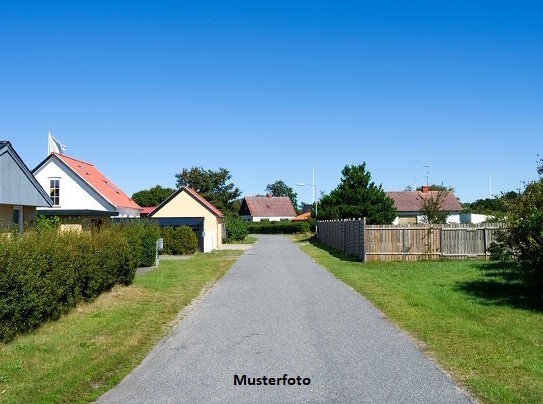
[{"x": 316, "y": 203}]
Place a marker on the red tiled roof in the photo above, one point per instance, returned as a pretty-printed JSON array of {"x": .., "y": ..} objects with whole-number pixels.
[
  {"x": 410, "y": 201},
  {"x": 303, "y": 217},
  {"x": 203, "y": 201},
  {"x": 146, "y": 210},
  {"x": 270, "y": 206},
  {"x": 99, "y": 182}
]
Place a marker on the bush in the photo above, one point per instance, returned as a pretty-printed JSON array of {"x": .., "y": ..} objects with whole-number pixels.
[
  {"x": 522, "y": 239},
  {"x": 179, "y": 240},
  {"x": 282, "y": 227},
  {"x": 142, "y": 236},
  {"x": 44, "y": 274},
  {"x": 236, "y": 229}
]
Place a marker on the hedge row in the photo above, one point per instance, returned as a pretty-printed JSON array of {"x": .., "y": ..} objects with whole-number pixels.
[
  {"x": 236, "y": 229},
  {"x": 282, "y": 227},
  {"x": 44, "y": 274},
  {"x": 179, "y": 240}
]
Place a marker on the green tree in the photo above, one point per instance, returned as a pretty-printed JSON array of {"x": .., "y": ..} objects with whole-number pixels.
[
  {"x": 279, "y": 188},
  {"x": 214, "y": 186},
  {"x": 152, "y": 196},
  {"x": 432, "y": 207},
  {"x": 522, "y": 238},
  {"x": 357, "y": 196}
]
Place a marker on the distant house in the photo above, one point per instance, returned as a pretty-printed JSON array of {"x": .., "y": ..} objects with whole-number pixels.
[
  {"x": 147, "y": 210},
  {"x": 185, "y": 207},
  {"x": 267, "y": 208},
  {"x": 78, "y": 190},
  {"x": 303, "y": 217},
  {"x": 474, "y": 218},
  {"x": 20, "y": 193},
  {"x": 408, "y": 206}
]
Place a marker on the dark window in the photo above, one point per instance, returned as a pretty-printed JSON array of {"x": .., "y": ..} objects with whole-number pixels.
[{"x": 54, "y": 191}]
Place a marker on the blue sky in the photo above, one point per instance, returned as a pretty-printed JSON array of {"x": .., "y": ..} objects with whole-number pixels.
[{"x": 271, "y": 89}]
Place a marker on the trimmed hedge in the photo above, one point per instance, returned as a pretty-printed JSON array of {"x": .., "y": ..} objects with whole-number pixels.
[
  {"x": 142, "y": 236},
  {"x": 236, "y": 229},
  {"x": 179, "y": 240},
  {"x": 44, "y": 274},
  {"x": 281, "y": 227}
]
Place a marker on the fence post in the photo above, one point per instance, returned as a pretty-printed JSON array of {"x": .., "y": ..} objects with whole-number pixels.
[
  {"x": 485, "y": 243},
  {"x": 441, "y": 241},
  {"x": 363, "y": 239},
  {"x": 403, "y": 244}
]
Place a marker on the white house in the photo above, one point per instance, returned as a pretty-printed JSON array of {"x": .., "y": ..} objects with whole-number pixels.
[
  {"x": 78, "y": 189},
  {"x": 267, "y": 208}
]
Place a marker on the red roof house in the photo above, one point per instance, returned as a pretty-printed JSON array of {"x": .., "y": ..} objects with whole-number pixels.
[
  {"x": 408, "y": 205},
  {"x": 271, "y": 208},
  {"x": 78, "y": 188}
]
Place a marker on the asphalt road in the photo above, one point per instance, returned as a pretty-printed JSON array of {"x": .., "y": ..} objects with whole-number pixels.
[{"x": 278, "y": 312}]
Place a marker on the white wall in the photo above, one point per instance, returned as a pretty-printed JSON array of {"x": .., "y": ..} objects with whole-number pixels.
[
  {"x": 474, "y": 218},
  {"x": 74, "y": 192},
  {"x": 269, "y": 219}
]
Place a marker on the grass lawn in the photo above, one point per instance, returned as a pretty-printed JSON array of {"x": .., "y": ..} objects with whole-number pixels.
[
  {"x": 475, "y": 318},
  {"x": 91, "y": 349}
]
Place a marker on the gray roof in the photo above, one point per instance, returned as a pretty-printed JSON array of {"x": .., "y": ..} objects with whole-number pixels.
[{"x": 17, "y": 184}]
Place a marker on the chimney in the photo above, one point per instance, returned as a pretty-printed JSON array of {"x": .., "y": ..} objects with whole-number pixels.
[{"x": 425, "y": 189}]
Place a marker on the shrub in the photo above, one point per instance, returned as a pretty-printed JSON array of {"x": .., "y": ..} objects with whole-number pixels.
[
  {"x": 142, "y": 236},
  {"x": 236, "y": 229},
  {"x": 189, "y": 242},
  {"x": 282, "y": 227},
  {"x": 522, "y": 239},
  {"x": 44, "y": 274},
  {"x": 179, "y": 240}
]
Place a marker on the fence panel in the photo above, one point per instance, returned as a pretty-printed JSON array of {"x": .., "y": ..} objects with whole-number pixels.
[{"x": 408, "y": 243}]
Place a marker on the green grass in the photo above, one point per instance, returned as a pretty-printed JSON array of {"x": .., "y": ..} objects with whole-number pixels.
[
  {"x": 247, "y": 240},
  {"x": 91, "y": 349},
  {"x": 476, "y": 318}
]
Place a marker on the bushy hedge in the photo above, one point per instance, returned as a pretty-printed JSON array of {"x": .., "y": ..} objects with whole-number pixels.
[
  {"x": 179, "y": 240},
  {"x": 44, "y": 274},
  {"x": 142, "y": 236},
  {"x": 282, "y": 227},
  {"x": 236, "y": 229}
]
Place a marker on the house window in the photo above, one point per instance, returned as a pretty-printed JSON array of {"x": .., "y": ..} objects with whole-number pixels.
[
  {"x": 54, "y": 191},
  {"x": 18, "y": 218}
]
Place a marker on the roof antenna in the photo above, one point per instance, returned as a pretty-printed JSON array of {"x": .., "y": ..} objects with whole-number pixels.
[{"x": 427, "y": 173}]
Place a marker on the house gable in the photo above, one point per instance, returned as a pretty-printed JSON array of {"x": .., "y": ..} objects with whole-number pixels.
[
  {"x": 17, "y": 184},
  {"x": 75, "y": 194},
  {"x": 183, "y": 203}
]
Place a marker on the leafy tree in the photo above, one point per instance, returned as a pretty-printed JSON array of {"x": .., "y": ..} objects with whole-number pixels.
[
  {"x": 279, "y": 188},
  {"x": 357, "y": 196},
  {"x": 497, "y": 206},
  {"x": 522, "y": 237},
  {"x": 432, "y": 207},
  {"x": 214, "y": 186},
  {"x": 153, "y": 196}
]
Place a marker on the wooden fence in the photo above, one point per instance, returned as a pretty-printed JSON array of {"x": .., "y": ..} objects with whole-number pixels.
[{"x": 408, "y": 243}]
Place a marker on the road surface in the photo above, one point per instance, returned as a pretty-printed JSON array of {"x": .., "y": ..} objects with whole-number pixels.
[{"x": 277, "y": 312}]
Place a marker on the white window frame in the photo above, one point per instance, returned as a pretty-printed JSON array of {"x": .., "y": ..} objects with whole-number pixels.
[{"x": 51, "y": 179}]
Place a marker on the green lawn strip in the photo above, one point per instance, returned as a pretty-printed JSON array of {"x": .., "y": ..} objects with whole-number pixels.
[
  {"x": 248, "y": 240},
  {"x": 470, "y": 316},
  {"x": 91, "y": 349}
]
